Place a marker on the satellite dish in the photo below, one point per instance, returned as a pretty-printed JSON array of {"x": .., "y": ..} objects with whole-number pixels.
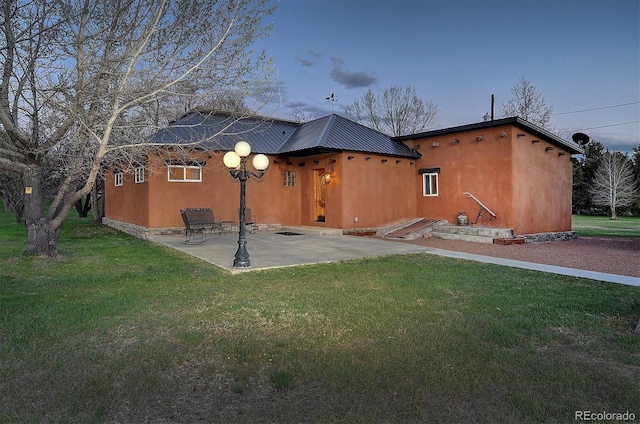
[{"x": 581, "y": 138}]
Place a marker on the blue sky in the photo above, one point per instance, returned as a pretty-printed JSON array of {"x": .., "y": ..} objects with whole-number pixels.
[{"x": 580, "y": 55}]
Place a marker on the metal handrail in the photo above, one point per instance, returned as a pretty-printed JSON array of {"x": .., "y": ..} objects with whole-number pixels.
[{"x": 479, "y": 202}]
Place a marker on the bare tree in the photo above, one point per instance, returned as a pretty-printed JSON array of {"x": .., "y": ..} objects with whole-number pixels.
[
  {"x": 528, "y": 104},
  {"x": 395, "y": 112},
  {"x": 300, "y": 115},
  {"x": 613, "y": 183},
  {"x": 80, "y": 77}
]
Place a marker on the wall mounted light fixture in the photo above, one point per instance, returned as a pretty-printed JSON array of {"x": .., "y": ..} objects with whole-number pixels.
[
  {"x": 535, "y": 141},
  {"x": 479, "y": 138},
  {"x": 561, "y": 153},
  {"x": 456, "y": 141},
  {"x": 326, "y": 179},
  {"x": 521, "y": 135},
  {"x": 503, "y": 134},
  {"x": 398, "y": 161},
  {"x": 350, "y": 157},
  {"x": 435, "y": 144},
  {"x": 548, "y": 149},
  {"x": 383, "y": 161}
]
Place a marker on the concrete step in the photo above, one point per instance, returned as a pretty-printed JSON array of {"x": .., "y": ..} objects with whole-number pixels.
[
  {"x": 411, "y": 230},
  {"x": 471, "y": 233},
  {"x": 313, "y": 231},
  {"x": 475, "y": 231}
]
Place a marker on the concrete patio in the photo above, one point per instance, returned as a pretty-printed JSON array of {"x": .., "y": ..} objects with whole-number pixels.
[{"x": 272, "y": 250}]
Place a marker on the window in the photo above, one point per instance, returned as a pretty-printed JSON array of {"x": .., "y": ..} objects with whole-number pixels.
[
  {"x": 290, "y": 178},
  {"x": 185, "y": 173},
  {"x": 430, "y": 184},
  {"x": 139, "y": 173},
  {"x": 118, "y": 178}
]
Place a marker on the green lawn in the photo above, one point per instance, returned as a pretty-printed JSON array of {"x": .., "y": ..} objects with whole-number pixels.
[
  {"x": 120, "y": 330},
  {"x": 603, "y": 226}
]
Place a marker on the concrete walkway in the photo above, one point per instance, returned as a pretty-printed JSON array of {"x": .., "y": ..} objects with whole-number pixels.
[{"x": 271, "y": 250}]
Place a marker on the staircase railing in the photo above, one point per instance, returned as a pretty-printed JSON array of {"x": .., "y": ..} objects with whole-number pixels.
[{"x": 482, "y": 205}]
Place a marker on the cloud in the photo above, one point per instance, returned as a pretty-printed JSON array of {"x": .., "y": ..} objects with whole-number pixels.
[
  {"x": 351, "y": 79},
  {"x": 623, "y": 142},
  {"x": 309, "y": 62},
  {"x": 305, "y": 62}
]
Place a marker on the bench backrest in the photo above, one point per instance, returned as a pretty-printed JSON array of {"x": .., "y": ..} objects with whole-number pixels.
[{"x": 197, "y": 216}]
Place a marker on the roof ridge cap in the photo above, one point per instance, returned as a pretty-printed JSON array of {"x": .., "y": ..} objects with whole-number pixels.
[{"x": 325, "y": 130}]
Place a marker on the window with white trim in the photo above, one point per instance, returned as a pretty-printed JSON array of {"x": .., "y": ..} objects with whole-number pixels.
[
  {"x": 290, "y": 178},
  {"x": 118, "y": 178},
  {"x": 430, "y": 184},
  {"x": 179, "y": 173},
  {"x": 139, "y": 174}
]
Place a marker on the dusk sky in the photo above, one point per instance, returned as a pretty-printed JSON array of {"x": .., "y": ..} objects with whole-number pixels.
[{"x": 582, "y": 56}]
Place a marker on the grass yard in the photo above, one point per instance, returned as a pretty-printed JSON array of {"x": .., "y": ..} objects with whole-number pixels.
[
  {"x": 120, "y": 330},
  {"x": 603, "y": 226}
]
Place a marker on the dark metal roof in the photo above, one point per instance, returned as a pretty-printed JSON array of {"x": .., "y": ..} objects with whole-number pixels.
[
  {"x": 221, "y": 131},
  {"x": 336, "y": 133},
  {"x": 517, "y": 121}
]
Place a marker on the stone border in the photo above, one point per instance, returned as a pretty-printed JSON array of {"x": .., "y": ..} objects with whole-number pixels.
[
  {"x": 551, "y": 237},
  {"x": 146, "y": 233}
]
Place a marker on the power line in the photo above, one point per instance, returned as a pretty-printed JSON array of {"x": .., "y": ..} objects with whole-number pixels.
[
  {"x": 595, "y": 108},
  {"x": 611, "y": 125}
]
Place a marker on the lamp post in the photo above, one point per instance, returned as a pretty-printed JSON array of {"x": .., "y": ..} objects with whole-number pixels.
[{"x": 236, "y": 161}]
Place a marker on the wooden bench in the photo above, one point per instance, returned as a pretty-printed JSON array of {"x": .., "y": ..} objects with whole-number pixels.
[{"x": 199, "y": 220}]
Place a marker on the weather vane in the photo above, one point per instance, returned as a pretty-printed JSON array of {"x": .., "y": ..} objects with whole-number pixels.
[{"x": 332, "y": 98}]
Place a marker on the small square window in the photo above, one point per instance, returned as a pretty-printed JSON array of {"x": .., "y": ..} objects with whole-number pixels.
[
  {"x": 290, "y": 178},
  {"x": 118, "y": 179},
  {"x": 430, "y": 184},
  {"x": 139, "y": 174}
]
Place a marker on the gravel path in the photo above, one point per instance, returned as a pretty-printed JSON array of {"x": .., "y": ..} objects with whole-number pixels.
[{"x": 610, "y": 255}]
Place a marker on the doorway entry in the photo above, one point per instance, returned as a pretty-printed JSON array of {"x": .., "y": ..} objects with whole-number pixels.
[{"x": 319, "y": 194}]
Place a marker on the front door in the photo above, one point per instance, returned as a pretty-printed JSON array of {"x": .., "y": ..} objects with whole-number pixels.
[{"x": 319, "y": 194}]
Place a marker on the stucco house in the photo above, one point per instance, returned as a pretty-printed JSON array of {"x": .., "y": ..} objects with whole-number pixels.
[{"x": 333, "y": 172}]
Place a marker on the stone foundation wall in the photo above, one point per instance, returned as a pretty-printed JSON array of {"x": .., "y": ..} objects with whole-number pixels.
[
  {"x": 145, "y": 233},
  {"x": 551, "y": 237}
]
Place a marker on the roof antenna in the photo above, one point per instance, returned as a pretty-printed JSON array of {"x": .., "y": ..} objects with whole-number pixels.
[
  {"x": 493, "y": 103},
  {"x": 332, "y": 98}
]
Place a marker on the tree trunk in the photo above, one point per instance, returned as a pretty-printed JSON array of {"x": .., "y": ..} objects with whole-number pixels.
[
  {"x": 42, "y": 238},
  {"x": 97, "y": 207},
  {"x": 613, "y": 213}
]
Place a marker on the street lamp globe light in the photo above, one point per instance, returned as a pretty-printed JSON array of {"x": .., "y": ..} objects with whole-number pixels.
[
  {"x": 260, "y": 162},
  {"x": 231, "y": 160},
  {"x": 242, "y": 148},
  {"x": 236, "y": 161}
]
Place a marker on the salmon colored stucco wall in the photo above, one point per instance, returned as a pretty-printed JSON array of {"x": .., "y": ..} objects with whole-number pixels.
[
  {"x": 379, "y": 190},
  {"x": 129, "y": 202},
  {"x": 526, "y": 185},
  {"x": 269, "y": 200},
  {"x": 542, "y": 186},
  {"x": 483, "y": 168}
]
